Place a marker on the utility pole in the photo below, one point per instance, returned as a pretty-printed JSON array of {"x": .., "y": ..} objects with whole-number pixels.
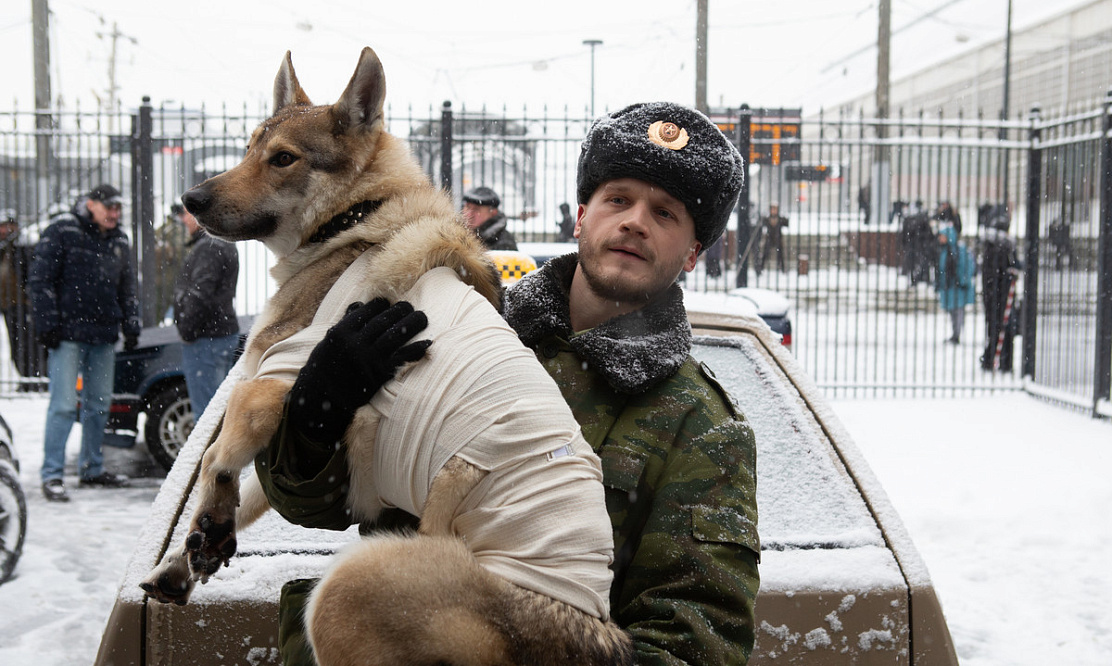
[
  {"x": 592, "y": 43},
  {"x": 115, "y": 36},
  {"x": 44, "y": 120},
  {"x": 1005, "y": 94},
  {"x": 879, "y": 194},
  {"x": 701, "y": 56}
]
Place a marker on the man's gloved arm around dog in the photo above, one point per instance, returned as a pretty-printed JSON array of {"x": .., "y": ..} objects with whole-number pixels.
[{"x": 304, "y": 470}]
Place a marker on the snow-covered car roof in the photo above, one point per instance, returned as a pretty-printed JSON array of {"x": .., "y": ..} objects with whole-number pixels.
[{"x": 841, "y": 581}]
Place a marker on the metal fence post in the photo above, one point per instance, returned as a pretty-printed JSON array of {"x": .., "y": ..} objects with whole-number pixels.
[
  {"x": 1102, "y": 381},
  {"x": 446, "y": 147},
  {"x": 143, "y": 215},
  {"x": 742, "y": 131},
  {"x": 1031, "y": 247}
]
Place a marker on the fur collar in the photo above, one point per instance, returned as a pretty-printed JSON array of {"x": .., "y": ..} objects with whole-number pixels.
[{"x": 633, "y": 352}]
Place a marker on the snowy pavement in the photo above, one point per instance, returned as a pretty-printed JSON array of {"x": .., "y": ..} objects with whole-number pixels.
[{"x": 1006, "y": 498}]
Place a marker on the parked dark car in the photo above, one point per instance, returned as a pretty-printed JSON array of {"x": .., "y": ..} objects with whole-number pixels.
[
  {"x": 13, "y": 505},
  {"x": 150, "y": 381}
]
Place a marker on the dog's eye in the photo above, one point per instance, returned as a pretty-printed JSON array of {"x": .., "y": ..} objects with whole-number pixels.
[{"x": 283, "y": 159}]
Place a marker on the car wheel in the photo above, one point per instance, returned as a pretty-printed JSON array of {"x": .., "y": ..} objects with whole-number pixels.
[
  {"x": 169, "y": 422},
  {"x": 13, "y": 519}
]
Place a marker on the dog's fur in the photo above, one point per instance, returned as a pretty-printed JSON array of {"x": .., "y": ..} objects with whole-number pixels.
[{"x": 418, "y": 598}]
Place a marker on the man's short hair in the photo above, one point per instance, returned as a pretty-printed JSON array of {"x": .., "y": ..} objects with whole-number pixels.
[
  {"x": 482, "y": 196},
  {"x": 671, "y": 146}
]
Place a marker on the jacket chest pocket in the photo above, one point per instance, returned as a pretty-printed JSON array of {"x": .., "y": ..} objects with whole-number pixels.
[{"x": 622, "y": 472}]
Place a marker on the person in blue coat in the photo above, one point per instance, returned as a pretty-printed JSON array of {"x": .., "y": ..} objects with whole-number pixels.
[{"x": 956, "y": 268}]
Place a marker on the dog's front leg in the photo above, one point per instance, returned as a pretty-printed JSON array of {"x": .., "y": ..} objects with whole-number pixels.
[{"x": 253, "y": 415}]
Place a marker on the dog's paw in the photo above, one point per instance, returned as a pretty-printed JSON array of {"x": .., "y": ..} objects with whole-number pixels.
[
  {"x": 171, "y": 581},
  {"x": 167, "y": 588},
  {"x": 210, "y": 545}
]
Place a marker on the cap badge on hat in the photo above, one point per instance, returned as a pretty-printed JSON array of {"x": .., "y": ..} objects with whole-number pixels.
[{"x": 668, "y": 135}]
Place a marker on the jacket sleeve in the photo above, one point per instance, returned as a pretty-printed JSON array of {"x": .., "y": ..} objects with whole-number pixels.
[
  {"x": 127, "y": 298},
  {"x": 306, "y": 482},
  {"x": 687, "y": 545},
  {"x": 45, "y": 274}
]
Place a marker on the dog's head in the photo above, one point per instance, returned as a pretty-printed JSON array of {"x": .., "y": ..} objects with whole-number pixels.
[{"x": 301, "y": 165}]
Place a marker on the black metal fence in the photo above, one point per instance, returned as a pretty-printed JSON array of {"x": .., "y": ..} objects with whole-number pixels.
[{"x": 866, "y": 318}]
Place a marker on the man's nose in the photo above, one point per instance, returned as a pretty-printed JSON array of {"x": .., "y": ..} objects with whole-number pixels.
[{"x": 637, "y": 218}]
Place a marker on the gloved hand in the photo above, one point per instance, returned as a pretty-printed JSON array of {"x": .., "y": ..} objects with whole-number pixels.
[
  {"x": 356, "y": 357},
  {"x": 131, "y": 342},
  {"x": 50, "y": 339}
]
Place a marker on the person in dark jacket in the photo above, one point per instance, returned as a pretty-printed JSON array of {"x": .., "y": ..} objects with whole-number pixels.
[
  {"x": 999, "y": 271},
  {"x": 82, "y": 293},
  {"x": 203, "y": 311},
  {"x": 773, "y": 226},
  {"x": 480, "y": 209},
  {"x": 656, "y": 185},
  {"x": 15, "y": 260}
]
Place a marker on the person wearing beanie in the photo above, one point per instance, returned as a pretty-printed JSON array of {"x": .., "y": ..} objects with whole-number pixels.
[
  {"x": 480, "y": 210},
  {"x": 83, "y": 295},
  {"x": 656, "y": 184}
]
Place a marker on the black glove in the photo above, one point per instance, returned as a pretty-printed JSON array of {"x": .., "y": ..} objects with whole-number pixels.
[
  {"x": 131, "y": 342},
  {"x": 356, "y": 357},
  {"x": 50, "y": 339}
]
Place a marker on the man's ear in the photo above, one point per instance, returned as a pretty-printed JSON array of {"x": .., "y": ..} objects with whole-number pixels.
[
  {"x": 579, "y": 220},
  {"x": 692, "y": 257}
]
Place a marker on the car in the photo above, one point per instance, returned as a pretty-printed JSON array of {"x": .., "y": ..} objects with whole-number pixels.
[
  {"x": 842, "y": 582},
  {"x": 13, "y": 505},
  {"x": 150, "y": 381}
]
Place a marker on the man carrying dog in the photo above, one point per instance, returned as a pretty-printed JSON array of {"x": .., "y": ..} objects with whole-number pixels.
[
  {"x": 82, "y": 292},
  {"x": 656, "y": 184}
]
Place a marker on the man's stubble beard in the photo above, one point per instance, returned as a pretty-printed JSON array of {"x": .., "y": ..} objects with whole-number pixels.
[{"x": 613, "y": 288}]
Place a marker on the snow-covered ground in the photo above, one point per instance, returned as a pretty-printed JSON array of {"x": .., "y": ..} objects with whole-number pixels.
[{"x": 1006, "y": 497}]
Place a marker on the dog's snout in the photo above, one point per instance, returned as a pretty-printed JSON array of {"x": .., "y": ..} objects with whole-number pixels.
[{"x": 196, "y": 200}]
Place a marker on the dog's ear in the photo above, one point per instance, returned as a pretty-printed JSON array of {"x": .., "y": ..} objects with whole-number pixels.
[
  {"x": 287, "y": 90},
  {"x": 361, "y": 104}
]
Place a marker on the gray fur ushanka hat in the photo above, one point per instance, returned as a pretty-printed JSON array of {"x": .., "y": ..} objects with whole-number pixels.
[{"x": 673, "y": 147}]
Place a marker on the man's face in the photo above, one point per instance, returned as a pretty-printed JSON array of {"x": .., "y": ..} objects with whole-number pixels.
[
  {"x": 106, "y": 217},
  {"x": 634, "y": 239},
  {"x": 190, "y": 222},
  {"x": 476, "y": 214},
  {"x": 774, "y": 211}
]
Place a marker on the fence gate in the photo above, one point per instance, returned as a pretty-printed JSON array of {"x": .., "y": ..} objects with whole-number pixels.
[{"x": 857, "y": 257}]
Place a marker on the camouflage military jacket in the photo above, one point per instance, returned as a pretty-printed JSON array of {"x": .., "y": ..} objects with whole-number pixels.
[{"x": 679, "y": 466}]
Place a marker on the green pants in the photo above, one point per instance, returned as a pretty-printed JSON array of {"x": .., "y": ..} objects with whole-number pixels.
[{"x": 293, "y": 644}]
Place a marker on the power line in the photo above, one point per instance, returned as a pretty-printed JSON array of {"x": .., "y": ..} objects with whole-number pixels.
[{"x": 895, "y": 32}]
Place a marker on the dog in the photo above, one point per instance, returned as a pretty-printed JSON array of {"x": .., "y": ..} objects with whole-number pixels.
[{"x": 510, "y": 562}]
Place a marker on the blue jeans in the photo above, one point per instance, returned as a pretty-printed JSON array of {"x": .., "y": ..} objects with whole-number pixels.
[
  {"x": 97, "y": 365},
  {"x": 206, "y": 362}
]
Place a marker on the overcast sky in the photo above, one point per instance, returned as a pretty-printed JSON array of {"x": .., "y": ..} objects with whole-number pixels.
[{"x": 789, "y": 53}]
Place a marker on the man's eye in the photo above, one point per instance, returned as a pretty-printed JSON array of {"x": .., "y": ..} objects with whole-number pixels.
[{"x": 283, "y": 159}]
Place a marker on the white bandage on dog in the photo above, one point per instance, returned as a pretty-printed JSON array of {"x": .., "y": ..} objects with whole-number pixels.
[{"x": 538, "y": 518}]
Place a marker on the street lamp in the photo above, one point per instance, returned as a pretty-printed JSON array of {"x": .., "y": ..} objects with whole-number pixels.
[{"x": 592, "y": 43}]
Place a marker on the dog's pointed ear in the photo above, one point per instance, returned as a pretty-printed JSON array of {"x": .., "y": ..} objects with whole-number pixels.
[
  {"x": 287, "y": 90},
  {"x": 361, "y": 103}
]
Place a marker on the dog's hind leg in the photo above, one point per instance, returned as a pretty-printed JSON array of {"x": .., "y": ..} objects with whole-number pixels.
[
  {"x": 406, "y": 599},
  {"x": 450, "y": 486}
]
